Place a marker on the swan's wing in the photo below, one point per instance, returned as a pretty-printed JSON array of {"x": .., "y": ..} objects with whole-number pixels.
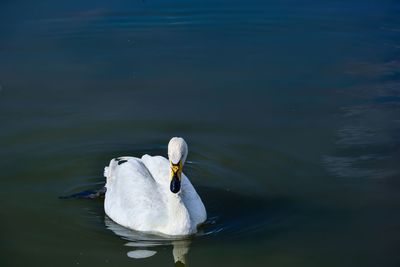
[
  {"x": 121, "y": 163},
  {"x": 132, "y": 197},
  {"x": 158, "y": 166}
]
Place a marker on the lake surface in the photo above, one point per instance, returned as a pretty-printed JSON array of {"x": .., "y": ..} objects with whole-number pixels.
[{"x": 291, "y": 110}]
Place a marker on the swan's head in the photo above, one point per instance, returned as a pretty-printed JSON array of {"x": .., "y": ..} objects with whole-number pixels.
[{"x": 177, "y": 153}]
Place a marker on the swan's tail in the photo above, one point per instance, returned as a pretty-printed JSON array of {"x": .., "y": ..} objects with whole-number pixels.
[{"x": 108, "y": 170}]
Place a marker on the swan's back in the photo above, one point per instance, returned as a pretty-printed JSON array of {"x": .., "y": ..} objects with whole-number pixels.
[{"x": 132, "y": 195}]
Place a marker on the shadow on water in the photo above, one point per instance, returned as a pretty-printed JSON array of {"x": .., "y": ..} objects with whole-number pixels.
[{"x": 230, "y": 216}]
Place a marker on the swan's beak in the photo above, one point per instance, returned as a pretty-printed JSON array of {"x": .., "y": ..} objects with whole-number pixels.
[{"x": 176, "y": 175}]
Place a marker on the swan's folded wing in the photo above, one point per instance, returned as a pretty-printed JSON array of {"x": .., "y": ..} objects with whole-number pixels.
[
  {"x": 158, "y": 167},
  {"x": 132, "y": 195}
]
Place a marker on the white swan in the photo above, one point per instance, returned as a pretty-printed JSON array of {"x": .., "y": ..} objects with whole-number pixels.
[{"x": 151, "y": 194}]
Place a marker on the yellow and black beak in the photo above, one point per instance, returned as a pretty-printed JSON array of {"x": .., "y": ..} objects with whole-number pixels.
[{"x": 176, "y": 175}]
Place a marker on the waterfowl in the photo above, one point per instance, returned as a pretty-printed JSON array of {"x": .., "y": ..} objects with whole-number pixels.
[{"x": 151, "y": 193}]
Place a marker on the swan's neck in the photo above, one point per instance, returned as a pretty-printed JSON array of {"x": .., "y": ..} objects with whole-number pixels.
[{"x": 178, "y": 214}]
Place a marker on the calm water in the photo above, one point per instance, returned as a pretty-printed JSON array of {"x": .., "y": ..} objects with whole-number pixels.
[{"x": 291, "y": 110}]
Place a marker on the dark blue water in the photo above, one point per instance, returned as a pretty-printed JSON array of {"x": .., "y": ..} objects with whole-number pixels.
[{"x": 291, "y": 110}]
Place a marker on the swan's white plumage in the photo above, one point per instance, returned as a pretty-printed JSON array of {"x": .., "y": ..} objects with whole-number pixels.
[
  {"x": 138, "y": 197},
  {"x": 177, "y": 150}
]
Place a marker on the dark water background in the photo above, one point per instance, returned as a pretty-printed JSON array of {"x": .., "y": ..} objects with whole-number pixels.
[{"x": 291, "y": 110}]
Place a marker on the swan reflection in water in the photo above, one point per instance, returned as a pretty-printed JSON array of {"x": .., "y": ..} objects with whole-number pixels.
[{"x": 143, "y": 244}]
